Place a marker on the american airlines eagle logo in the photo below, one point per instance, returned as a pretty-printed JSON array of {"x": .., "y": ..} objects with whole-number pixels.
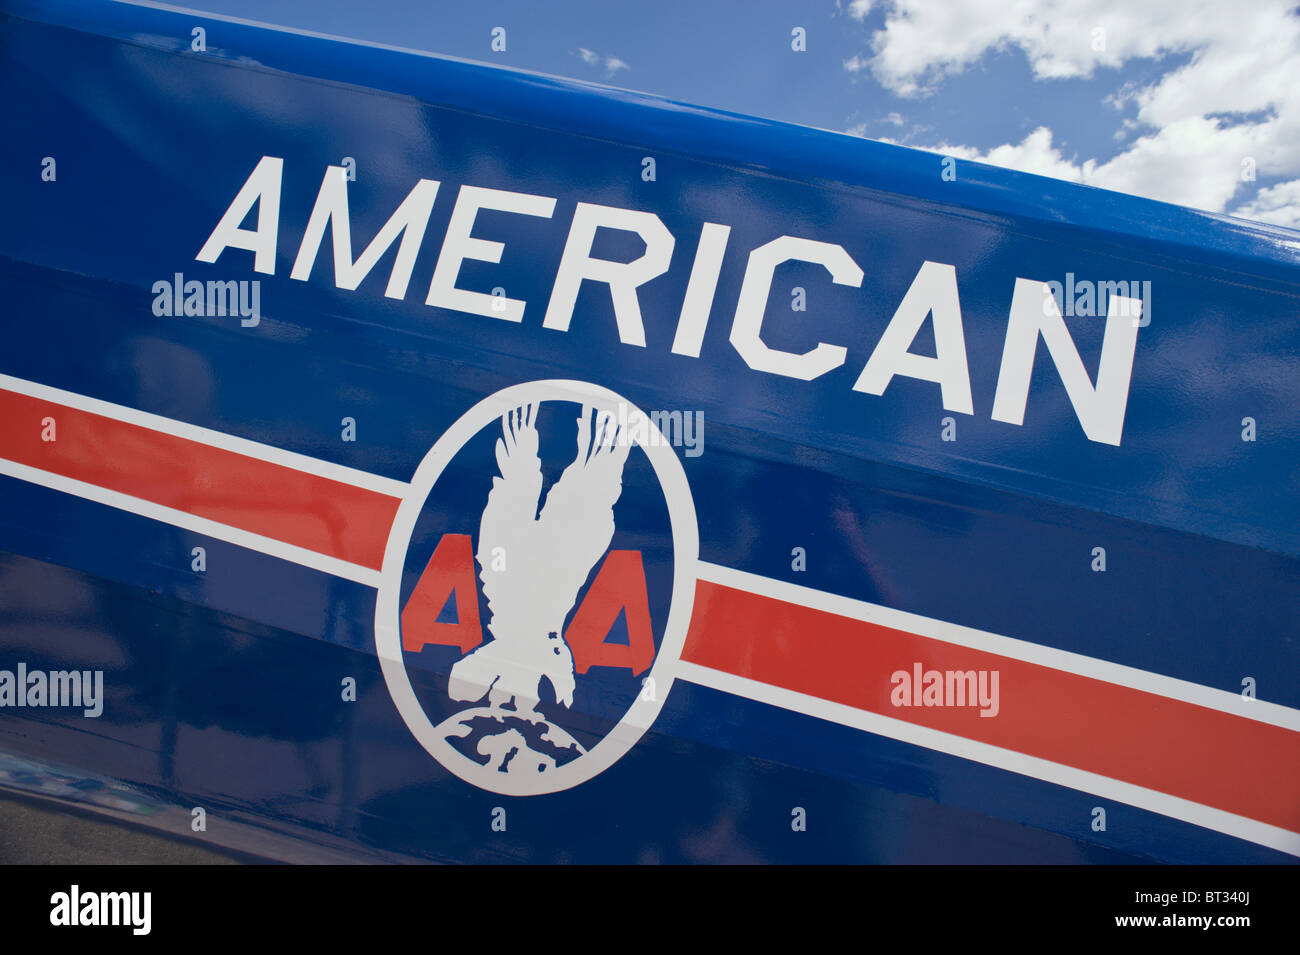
[
  {"x": 553, "y": 554},
  {"x": 531, "y": 612}
]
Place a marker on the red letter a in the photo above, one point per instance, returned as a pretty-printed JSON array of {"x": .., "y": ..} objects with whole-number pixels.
[
  {"x": 620, "y": 585},
  {"x": 451, "y": 568}
]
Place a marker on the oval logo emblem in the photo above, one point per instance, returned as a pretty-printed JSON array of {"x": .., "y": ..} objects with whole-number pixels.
[{"x": 537, "y": 587}]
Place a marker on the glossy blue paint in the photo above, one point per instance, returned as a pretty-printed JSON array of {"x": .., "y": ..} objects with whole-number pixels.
[{"x": 223, "y": 689}]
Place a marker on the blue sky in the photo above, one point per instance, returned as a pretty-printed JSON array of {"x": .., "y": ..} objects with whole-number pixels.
[{"x": 1188, "y": 101}]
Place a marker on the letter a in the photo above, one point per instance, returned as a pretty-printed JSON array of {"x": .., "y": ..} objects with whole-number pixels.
[
  {"x": 262, "y": 188},
  {"x": 619, "y": 586},
  {"x": 450, "y": 570}
]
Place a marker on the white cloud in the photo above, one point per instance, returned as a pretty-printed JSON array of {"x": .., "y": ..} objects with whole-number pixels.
[
  {"x": 856, "y": 64},
  {"x": 859, "y": 9},
  {"x": 1191, "y": 163},
  {"x": 1035, "y": 154},
  {"x": 1279, "y": 205},
  {"x": 1237, "y": 97},
  {"x": 860, "y": 129},
  {"x": 922, "y": 42},
  {"x": 612, "y": 64}
]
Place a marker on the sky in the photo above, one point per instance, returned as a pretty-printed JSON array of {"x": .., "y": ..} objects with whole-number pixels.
[{"x": 1187, "y": 101}]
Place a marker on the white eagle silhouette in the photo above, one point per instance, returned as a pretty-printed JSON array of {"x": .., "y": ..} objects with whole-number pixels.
[{"x": 543, "y": 559}]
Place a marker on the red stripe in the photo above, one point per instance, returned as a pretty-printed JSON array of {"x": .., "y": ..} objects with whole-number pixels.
[
  {"x": 1204, "y": 755},
  {"x": 321, "y": 515},
  {"x": 1182, "y": 749}
]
